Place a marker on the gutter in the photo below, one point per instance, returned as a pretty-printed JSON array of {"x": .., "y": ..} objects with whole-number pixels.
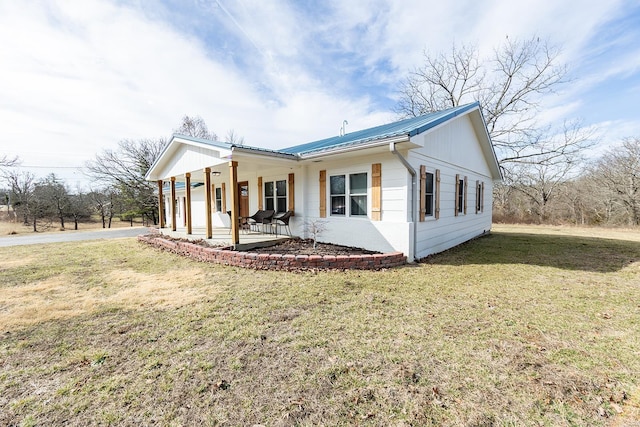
[
  {"x": 270, "y": 153},
  {"x": 412, "y": 171},
  {"x": 353, "y": 146}
]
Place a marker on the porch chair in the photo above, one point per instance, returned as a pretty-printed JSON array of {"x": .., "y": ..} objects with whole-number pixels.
[
  {"x": 261, "y": 217},
  {"x": 243, "y": 225},
  {"x": 283, "y": 221}
]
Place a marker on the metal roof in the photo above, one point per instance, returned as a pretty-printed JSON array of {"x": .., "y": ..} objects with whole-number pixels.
[{"x": 409, "y": 127}]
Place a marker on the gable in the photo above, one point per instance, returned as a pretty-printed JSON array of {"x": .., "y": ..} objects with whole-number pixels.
[
  {"x": 456, "y": 144},
  {"x": 183, "y": 155}
]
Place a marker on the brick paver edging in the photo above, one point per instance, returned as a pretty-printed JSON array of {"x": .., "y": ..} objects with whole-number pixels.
[{"x": 261, "y": 261}]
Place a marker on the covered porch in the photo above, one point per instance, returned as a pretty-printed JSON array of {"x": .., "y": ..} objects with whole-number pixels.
[
  {"x": 208, "y": 190},
  {"x": 220, "y": 237}
]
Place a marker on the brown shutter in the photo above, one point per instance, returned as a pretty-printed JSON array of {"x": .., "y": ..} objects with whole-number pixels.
[
  {"x": 465, "y": 190},
  {"x": 292, "y": 192},
  {"x": 376, "y": 191},
  {"x": 224, "y": 197},
  {"x": 323, "y": 194},
  {"x": 477, "y": 196},
  {"x": 423, "y": 190},
  {"x": 259, "y": 193},
  {"x": 160, "y": 204},
  {"x": 457, "y": 201},
  {"x": 437, "y": 195}
]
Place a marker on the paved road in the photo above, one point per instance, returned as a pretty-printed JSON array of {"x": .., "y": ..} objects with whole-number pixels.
[{"x": 71, "y": 236}]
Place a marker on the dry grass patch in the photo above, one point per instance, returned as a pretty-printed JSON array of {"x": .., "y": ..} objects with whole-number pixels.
[
  {"x": 59, "y": 297},
  {"x": 517, "y": 328},
  {"x": 10, "y": 228}
]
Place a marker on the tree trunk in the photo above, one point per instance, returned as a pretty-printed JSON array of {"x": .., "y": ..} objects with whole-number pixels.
[{"x": 35, "y": 225}]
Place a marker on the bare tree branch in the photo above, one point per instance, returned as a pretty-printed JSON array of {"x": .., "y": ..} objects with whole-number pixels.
[{"x": 508, "y": 85}]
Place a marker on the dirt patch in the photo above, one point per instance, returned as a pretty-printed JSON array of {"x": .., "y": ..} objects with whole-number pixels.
[{"x": 305, "y": 247}]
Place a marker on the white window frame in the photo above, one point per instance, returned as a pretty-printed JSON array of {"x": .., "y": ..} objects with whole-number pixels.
[
  {"x": 218, "y": 199},
  {"x": 461, "y": 196},
  {"x": 348, "y": 194},
  {"x": 430, "y": 206},
  {"x": 276, "y": 195}
]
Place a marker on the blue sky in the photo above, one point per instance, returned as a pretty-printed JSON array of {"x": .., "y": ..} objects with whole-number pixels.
[{"x": 78, "y": 76}]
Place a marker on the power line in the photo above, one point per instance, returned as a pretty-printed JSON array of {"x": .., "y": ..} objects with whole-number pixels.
[{"x": 47, "y": 167}]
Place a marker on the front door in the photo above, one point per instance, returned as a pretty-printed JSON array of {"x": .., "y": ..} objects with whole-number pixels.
[{"x": 243, "y": 199}]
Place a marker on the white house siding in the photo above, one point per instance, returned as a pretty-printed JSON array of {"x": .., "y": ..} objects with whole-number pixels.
[
  {"x": 189, "y": 157},
  {"x": 447, "y": 148},
  {"x": 442, "y": 148},
  {"x": 390, "y": 234}
]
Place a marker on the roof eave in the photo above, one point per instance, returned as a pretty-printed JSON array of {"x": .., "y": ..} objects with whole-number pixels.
[
  {"x": 354, "y": 147},
  {"x": 260, "y": 152}
]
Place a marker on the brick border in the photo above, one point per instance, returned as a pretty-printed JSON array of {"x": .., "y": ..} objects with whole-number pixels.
[{"x": 227, "y": 256}]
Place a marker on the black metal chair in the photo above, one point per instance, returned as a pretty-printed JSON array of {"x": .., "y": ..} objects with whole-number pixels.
[{"x": 283, "y": 221}]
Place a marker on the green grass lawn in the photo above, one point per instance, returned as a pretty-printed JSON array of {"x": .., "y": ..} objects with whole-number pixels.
[{"x": 527, "y": 326}]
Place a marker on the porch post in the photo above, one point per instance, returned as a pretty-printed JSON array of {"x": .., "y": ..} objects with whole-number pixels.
[
  {"x": 160, "y": 204},
  {"x": 233, "y": 174},
  {"x": 187, "y": 205},
  {"x": 207, "y": 201},
  {"x": 173, "y": 203}
]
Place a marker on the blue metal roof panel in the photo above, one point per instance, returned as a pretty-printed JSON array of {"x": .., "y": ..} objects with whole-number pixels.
[{"x": 410, "y": 127}]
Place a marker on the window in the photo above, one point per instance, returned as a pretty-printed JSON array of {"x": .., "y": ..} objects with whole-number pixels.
[
  {"x": 479, "y": 196},
  {"x": 429, "y": 194},
  {"x": 269, "y": 193},
  {"x": 461, "y": 195},
  {"x": 218, "y": 199},
  {"x": 358, "y": 193},
  {"x": 275, "y": 195},
  {"x": 351, "y": 187},
  {"x": 281, "y": 196},
  {"x": 338, "y": 191}
]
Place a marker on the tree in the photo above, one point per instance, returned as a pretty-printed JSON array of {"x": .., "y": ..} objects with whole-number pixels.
[
  {"x": 508, "y": 85},
  {"x": 79, "y": 208},
  {"x": 233, "y": 138},
  {"x": 121, "y": 174},
  {"x": 54, "y": 198},
  {"x": 124, "y": 169},
  {"x": 6, "y": 161},
  {"x": 549, "y": 165},
  {"x": 195, "y": 127},
  {"x": 618, "y": 171},
  {"x": 105, "y": 202},
  {"x": 21, "y": 186}
]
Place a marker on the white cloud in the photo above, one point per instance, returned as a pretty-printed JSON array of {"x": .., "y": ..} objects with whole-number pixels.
[{"x": 79, "y": 76}]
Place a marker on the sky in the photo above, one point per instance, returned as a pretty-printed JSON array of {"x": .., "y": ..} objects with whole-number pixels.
[{"x": 78, "y": 76}]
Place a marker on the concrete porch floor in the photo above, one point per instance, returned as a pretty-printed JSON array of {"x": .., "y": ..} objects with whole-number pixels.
[{"x": 249, "y": 239}]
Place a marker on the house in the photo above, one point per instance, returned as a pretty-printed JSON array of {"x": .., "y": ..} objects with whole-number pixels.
[{"x": 418, "y": 186}]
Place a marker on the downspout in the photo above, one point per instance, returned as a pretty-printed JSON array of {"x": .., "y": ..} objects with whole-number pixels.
[{"x": 412, "y": 171}]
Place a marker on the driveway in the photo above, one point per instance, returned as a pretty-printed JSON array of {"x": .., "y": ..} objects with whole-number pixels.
[{"x": 71, "y": 236}]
